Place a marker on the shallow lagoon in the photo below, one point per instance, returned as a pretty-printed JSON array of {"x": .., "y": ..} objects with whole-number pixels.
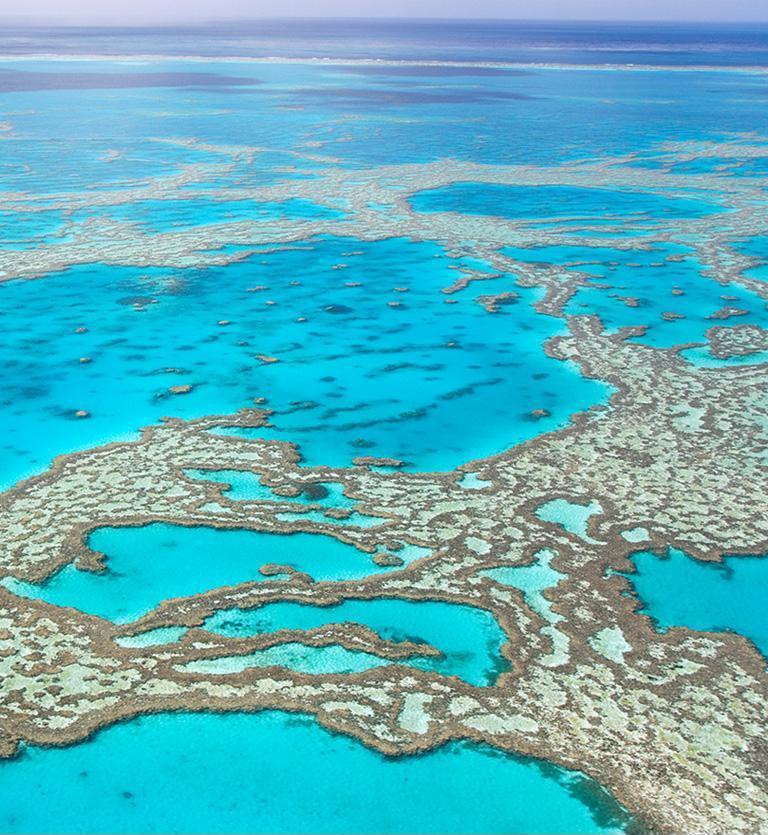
[
  {"x": 533, "y": 580},
  {"x": 677, "y": 590},
  {"x": 273, "y": 772},
  {"x": 357, "y": 378},
  {"x": 156, "y": 562},
  {"x": 241, "y": 485},
  {"x": 469, "y": 638},
  {"x": 643, "y": 286},
  {"x": 172, "y": 215},
  {"x": 670, "y": 319},
  {"x": 571, "y": 516},
  {"x": 590, "y": 205}
]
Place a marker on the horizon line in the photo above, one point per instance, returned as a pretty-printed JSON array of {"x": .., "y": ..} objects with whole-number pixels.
[{"x": 36, "y": 22}]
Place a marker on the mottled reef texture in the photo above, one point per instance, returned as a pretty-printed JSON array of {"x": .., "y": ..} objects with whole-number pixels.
[{"x": 673, "y": 724}]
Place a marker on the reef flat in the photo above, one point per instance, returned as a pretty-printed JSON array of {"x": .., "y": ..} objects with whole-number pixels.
[
  {"x": 575, "y": 689},
  {"x": 637, "y": 272}
]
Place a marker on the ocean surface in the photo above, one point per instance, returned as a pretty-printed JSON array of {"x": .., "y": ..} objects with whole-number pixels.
[
  {"x": 729, "y": 596},
  {"x": 272, "y": 772},
  {"x": 575, "y": 43},
  {"x": 93, "y": 342}
]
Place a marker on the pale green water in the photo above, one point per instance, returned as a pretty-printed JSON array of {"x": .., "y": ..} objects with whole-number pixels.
[
  {"x": 533, "y": 580},
  {"x": 469, "y": 638},
  {"x": 571, "y": 516}
]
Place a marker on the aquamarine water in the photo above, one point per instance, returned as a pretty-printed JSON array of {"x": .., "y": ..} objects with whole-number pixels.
[
  {"x": 147, "y": 565},
  {"x": 652, "y": 288},
  {"x": 703, "y": 358},
  {"x": 726, "y": 596},
  {"x": 655, "y": 282},
  {"x": 277, "y": 773},
  {"x": 532, "y": 580},
  {"x": 328, "y": 660},
  {"x": 571, "y": 516},
  {"x": 639, "y": 287},
  {"x": 244, "y": 486},
  {"x": 357, "y": 378},
  {"x": 169, "y": 215},
  {"x": 434, "y": 384},
  {"x": 469, "y": 638},
  {"x": 586, "y": 205}
]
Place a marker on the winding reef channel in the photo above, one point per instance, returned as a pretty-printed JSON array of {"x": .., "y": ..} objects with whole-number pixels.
[{"x": 378, "y": 443}]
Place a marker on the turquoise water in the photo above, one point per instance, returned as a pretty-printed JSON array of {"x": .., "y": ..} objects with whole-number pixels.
[
  {"x": 357, "y": 378},
  {"x": 433, "y": 384},
  {"x": 25, "y": 230},
  {"x": 591, "y": 205},
  {"x": 169, "y": 215},
  {"x": 677, "y": 590},
  {"x": 154, "y": 563},
  {"x": 652, "y": 288},
  {"x": 703, "y": 358},
  {"x": 469, "y": 638},
  {"x": 571, "y": 516},
  {"x": 754, "y": 247},
  {"x": 532, "y": 580},
  {"x": 273, "y": 772},
  {"x": 654, "y": 285},
  {"x": 245, "y": 486}
]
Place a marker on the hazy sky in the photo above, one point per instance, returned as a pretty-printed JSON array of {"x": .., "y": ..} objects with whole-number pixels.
[{"x": 177, "y": 11}]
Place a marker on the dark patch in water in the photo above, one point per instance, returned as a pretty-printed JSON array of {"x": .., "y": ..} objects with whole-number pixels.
[
  {"x": 349, "y": 96},
  {"x": 422, "y": 71},
  {"x": 133, "y": 300},
  {"x": 24, "y": 81},
  {"x": 30, "y": 392},
  {"x": 316, "y": 492}
]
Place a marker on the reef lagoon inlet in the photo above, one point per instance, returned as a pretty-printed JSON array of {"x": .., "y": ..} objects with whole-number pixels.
[{"x": 383, "y": 428}]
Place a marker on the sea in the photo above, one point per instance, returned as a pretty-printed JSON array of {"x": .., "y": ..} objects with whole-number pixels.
[{"x": 125, "y": 273}]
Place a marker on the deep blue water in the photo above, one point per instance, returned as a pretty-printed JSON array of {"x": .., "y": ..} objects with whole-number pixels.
[{"x": 578, "y": 43}]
